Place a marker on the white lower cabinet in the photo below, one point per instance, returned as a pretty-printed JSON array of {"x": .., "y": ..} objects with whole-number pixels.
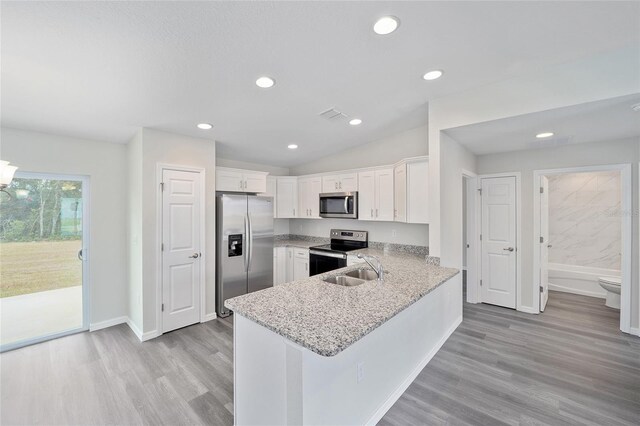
[
  {"x": 290, "y": 264},
  {"x": 279, "y": 265},
  {"x": 300, "y": 264}
]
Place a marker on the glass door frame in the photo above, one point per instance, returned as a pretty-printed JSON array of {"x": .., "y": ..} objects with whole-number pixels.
[{"x": 86, "y": 252}]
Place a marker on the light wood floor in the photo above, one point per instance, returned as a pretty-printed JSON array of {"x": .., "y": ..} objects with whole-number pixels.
[{"x": 569, "y": 365}]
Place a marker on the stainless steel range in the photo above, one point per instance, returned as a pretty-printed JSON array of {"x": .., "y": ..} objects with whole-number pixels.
[{"x": 332, "y": 256}]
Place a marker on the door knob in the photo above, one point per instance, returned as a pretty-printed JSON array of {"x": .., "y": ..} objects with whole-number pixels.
[
  {"x": 509, "y": 249},
  {"x": 549, "y": 246},
  {"x": 194, "y": 256}
]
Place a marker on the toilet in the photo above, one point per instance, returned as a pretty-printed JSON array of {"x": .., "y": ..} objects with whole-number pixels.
[{"x": 612, "y": 285}]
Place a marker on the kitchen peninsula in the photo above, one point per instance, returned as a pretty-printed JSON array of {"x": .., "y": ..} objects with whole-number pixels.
[{"x": 313, "y": 352}]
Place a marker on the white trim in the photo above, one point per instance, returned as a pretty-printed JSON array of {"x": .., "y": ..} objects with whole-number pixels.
[
  {"x": 564, "y": 289},
  {"x": 517, "y": 175},
  {"x": 472, "y": 267},
  {"x": 135, "y": 329},
  {"x": 108, "y": 323},
  {"x": 380, "y": 412},
  {"x": 209, "y": 317},
  {"x": 528, "y": 310},
  {"x": 150, "y": 335},
  {"x": 634, "y": 331},
  {"x": 160, "y": 167},
  {"x": 626, "y": 223}
]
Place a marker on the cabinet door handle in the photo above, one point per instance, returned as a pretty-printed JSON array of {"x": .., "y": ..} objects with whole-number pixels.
[
  {"x": 306, "y": 266},
  {"x": 241, "y": 184},
  {"x": 294, "y": 212},
  {"x": 340, "y": 185},
  {"x": 336, "y": 185},
  {"x": 376, "y": 212},
  {"x": 371, "y": 212}
]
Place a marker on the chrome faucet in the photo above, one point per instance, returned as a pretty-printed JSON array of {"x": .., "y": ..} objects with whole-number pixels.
[{"x": 379, "y": 270}]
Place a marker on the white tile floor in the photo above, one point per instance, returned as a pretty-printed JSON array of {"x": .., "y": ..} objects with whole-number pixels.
[{"x": 37, "y": 314}]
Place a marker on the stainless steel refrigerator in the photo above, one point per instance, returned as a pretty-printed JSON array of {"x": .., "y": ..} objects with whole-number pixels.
[{"x": 244, "y": 260}]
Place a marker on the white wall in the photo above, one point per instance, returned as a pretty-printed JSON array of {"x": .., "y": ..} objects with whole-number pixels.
[
  {"x": 167, "y": 148},
  {"x": 570, "y": 83},
  {"x": 106, "y": 165},
  {"x": 584, "y": 220},
  {"x": 410, "y": 143},
  {"x": 134, "y": 235},
  {"x": 417, "y": 235},
  {"x": 611, "y": 152},
  {"x": 273, "y": 170},
  {"x": 456, "y": 159}
]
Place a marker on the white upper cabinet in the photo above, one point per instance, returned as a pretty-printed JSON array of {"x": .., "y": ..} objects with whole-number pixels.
[
  {"x": 309, "y": 197},
  {"x": 367, "y": 195},
  {"x": 346, "y": 182},
  {"x": 418, "y": 191},
  {"x": 375, "y": 195},
  {"x": 237, "y": 180},
  {"x": 400, "y": 192},
  {"x": 384, "y": 194},
  {"x": 287, "y": 197},
  {"x": 411, "y": 190},
  {"x": 272, "y": 192}
]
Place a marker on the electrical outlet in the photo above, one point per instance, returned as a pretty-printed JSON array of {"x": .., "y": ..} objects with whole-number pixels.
[{"x": 360, "y": 371}]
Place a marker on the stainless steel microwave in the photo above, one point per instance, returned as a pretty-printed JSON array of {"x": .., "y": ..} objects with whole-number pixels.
[{"x": 339, "y": 205}]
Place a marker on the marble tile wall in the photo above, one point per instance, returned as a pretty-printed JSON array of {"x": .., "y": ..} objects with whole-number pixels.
[{"x": 584, "y": 227}]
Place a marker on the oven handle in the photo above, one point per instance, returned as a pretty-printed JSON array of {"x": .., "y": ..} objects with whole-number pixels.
[{"x": 327, "y": 254}]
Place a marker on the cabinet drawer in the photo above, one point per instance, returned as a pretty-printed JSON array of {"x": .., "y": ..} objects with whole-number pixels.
[{"x": 302, "y": 253}]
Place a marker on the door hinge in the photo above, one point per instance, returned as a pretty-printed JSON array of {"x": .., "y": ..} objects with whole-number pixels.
[
  {"x": 541, "y": 289},
  {"x": 542, "y": 190},
  {"x": 161, "y": 246},
  {"x": 480, "y": 191},
  {"x": 161, "y": 186},
  {"x": 163, "y": 307},
  {"x": 480, "y": 282},
  {"x": 542, "y": 239},
  {"x": 480, "y": 237}
]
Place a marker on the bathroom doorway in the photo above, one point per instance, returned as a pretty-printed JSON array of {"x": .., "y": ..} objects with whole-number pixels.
[{"x": 583, "y": 235}]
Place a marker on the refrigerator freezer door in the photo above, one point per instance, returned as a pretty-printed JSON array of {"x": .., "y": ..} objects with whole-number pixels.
[
  {"x": 232, "y": 249},
  {"x": 260, "y": 252}
]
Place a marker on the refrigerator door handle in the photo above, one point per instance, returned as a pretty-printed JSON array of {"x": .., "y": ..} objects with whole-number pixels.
[
  {"x": 246, "y": 244},
  {"x": 250, "y": 240}
]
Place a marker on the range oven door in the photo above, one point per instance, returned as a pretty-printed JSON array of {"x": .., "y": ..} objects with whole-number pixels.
[
  {"x": 322, "y": 261},
  {"x": 339, "y": 204}
]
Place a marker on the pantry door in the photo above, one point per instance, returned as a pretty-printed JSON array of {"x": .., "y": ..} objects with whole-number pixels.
[{"x": 498, "y": 277}]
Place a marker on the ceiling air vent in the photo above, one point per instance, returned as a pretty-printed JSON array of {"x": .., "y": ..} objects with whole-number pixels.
[{"x": 332, "y": 115}]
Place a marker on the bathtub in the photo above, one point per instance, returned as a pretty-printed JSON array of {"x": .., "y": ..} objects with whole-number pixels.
[{"x": 578, "y": 279}]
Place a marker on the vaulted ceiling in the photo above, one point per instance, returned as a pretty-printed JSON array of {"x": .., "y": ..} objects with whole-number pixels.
[{"x": 100, "y": 70}]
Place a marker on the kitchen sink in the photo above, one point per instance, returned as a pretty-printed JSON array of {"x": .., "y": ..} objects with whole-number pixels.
[
  {"x": 363, "y": 274},
  {"x": 345, "y": 280}
]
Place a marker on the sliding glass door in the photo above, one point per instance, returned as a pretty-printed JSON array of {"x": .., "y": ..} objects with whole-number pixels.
[{"x": 43, "y": 262}]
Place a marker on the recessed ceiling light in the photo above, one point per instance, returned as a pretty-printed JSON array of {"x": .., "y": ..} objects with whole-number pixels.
[
  {"x": 386, "y": 25},
  {"x": 355, "y": 121},
  {"x": 432, "y": 75},
  {"x": 636, "y": 107},
  {"x": 292, "y": 146},
  {"x": 265, "y": 82},
  {"x": 205, "y": 126},
  {"x": 544, "y": 135}
]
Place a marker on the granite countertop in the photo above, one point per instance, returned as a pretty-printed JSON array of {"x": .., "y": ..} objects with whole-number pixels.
[
  {"x": 296, "y": 243},
  {"x": 328, "y": 318}
]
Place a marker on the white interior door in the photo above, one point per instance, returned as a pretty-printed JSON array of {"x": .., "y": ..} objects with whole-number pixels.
[
  {"x": 181, "y": 254},
  {"x": 544, "y": 242},
  {"x": 498, "y": 280}
]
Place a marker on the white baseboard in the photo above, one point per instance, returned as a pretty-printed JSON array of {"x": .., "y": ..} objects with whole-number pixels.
[
  {"x": 634, "y": 331},
  {"x": 563, "y": 289},
  {"x": 135, "y": 329},
  {"x": 412, "y": 376},
  {"x": 209, "y": 317},
  {"x": 108, "y": 323},
  {"x": 150, "y": 335},
  {"x": 527, "y": 310}
]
